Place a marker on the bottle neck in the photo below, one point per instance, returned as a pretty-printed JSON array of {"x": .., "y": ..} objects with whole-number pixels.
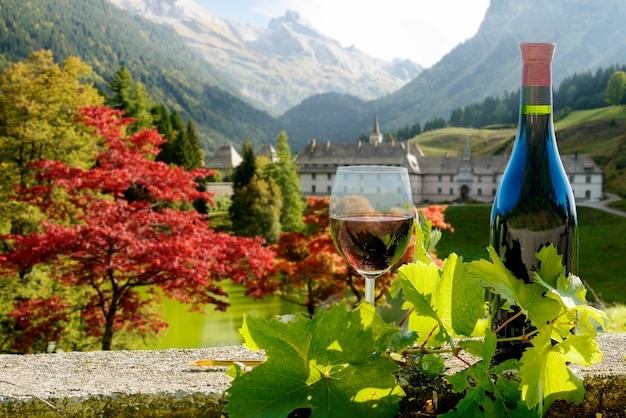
[
  {"x": 536, "y": 100},
  {"x": 536, "y": 93}
]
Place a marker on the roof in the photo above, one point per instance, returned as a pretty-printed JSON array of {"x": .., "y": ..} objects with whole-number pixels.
[
  {"x": 407, "y": 154},
  {"x": 268, "y": 151},
  {"x": 360, "y": 153},
  {"x": 225, "y": 158},
  {"x": 580, "y": 163}
]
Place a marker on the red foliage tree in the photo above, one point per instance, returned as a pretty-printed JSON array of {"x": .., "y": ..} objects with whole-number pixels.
[
  {"x": 309, "y": 270},
  {"x": 118, "y": 227},
  {"x": 38, "y": 321}
]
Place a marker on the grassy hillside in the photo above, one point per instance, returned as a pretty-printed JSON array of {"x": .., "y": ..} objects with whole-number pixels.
[
  {"x": 597, "y": 132},
  {"x": 601, "y": 260}
]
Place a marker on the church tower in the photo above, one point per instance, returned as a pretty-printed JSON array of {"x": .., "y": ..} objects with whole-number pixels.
[{"x": 376, "y": 137}]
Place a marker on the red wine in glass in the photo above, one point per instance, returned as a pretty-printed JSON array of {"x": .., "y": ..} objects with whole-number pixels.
[
  {"x": 371, "y": 218},
  {"x": 372, "y": 243}
]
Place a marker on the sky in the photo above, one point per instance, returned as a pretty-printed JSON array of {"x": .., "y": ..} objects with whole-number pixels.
[{"x": 420, "y": 30}]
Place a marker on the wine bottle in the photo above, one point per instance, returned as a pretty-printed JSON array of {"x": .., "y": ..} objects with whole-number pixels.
[{"x": 534, "y": 205}]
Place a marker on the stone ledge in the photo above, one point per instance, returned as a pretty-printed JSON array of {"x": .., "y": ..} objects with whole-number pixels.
[{"x": 163, "y": 384}]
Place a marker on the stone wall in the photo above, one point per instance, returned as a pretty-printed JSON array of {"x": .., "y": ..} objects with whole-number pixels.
[{"x": 164, "y": 383}]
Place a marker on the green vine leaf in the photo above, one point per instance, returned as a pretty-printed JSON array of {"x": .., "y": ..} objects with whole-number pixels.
[
  {"x": 447, "y": 301},
  {"x": 528, "y": 297},
  {"x": 431, "y": 364},
  {"x": 570, "y": 293},
  {"x": 331, "y": 364},
  {"x": 544, "y": 372},
  {"x": 488, "y": 391}
]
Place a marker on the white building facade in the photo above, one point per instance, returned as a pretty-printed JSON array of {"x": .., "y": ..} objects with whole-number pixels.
[{"x": 434, "y": 179}]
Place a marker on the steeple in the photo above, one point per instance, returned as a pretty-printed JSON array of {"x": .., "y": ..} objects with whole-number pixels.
[
  {"x": 467, "y": 153},
  {"x": 376, "y": 137}
]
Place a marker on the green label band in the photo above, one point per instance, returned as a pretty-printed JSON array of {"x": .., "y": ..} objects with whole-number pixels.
[{"x": 536, "y": 109}]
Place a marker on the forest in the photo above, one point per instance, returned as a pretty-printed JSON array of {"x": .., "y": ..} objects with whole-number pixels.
[
  {"x": 106, "y": 38},
  {"x": 577, "y": 92}
]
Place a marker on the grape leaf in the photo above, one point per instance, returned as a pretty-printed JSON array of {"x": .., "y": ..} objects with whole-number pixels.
[
  {"x": 448, "y": 299},
  {"x": 570, "y": 293},
  {"x": 528, "y": 297},
  {"x": 484, "y": 398},
  {"x": 431, "y": 364},
  {"x": 484, "y": 348},
  {"x": 489, "y": 391},
  {"x": 331, "y": 364},
  {"x": 544, "y": 372},
  {"x": 551, "y": 266}
]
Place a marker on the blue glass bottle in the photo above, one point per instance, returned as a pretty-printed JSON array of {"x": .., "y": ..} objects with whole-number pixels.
[{"x": 534, "y": 205}]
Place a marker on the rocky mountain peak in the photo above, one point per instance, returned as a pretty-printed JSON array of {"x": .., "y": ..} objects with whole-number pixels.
[
  {"x": 279, "y": 66},
  {"x": 291, "y": 19}
]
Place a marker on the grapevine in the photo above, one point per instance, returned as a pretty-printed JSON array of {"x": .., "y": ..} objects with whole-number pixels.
[{"x": 341, "y": 362}]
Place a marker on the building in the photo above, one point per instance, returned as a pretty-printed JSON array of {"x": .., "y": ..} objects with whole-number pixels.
[
  {"x": 225, "y": 159},
  {"x": 433, "y": 178}
]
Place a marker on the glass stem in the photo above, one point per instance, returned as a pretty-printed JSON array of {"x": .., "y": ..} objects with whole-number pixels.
[{"x": 369, "y": 290}]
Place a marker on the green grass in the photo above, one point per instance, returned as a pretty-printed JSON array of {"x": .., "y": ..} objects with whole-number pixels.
[
  {"x": 574, "y": 131},
  {"x": 616, "y": 113},
  {"x": 602, "y": 255},
  {"x": 618, "y": 204},
  {"x": 471, "y": 232},
  {"x": 617, "y": 318}
]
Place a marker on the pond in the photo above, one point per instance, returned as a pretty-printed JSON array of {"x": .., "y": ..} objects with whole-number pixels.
[{"x": 214, "y": 329}]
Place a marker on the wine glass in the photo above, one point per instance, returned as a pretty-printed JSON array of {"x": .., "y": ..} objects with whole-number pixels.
[{"x": 371, "y": 218}]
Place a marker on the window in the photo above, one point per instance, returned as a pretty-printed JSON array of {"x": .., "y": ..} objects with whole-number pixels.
[
  {"x": 439, "y": 178},
  {"x": 313, "y": 189},
  {"x": 587, "y": 194},
  {"x": 480, "y": 192},
  {"x": 493, "y": 192},
  {"x": 438, "y": 190},
  {"x": 587, "y": 179},
  {"x": 329, "y": 190},
  {"x": 480, "y": 179},
  {"x": 451, "y": 191},
  {"x": 329, "y": 176},
  {"x": 495, "y": 178},
  {"x": 313, "y": 176},
  {"x": 451, "y": 178}
]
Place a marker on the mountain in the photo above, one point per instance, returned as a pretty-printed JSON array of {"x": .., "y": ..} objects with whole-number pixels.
[
  {"x": 107, "y": 38},
  {"x": 279, "y": 66},
  {"x": 156, "y": 43},
  {"x": 589, "y": 34}
]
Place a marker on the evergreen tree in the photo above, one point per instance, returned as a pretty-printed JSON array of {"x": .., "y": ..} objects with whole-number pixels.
[
  {"x": 255, "y": 210},
  {"x": 140, "y": 108},
  {"x": 192, "y": 155},
  {"x": 162, "y": 122},
  {"x": 132, "y": 98},
  {"x": 121, "y": 84},
  {"x": 615, "y": 93},
  {"x": 177, "y": 123},
  {"x": 286, "y": 177},
  {"x": 244, "y": 172},
  {"x": 256, "y": 201}
]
